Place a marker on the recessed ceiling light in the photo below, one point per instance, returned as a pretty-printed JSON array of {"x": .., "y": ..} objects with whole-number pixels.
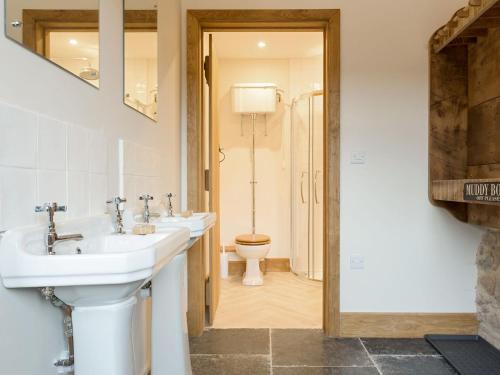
[
  {"x": 261, "y": 44},
  {"x": 73, "y": 42}
]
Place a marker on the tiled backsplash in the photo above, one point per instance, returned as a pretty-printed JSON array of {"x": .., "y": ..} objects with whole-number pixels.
[
  {"x": 43, "y": 160},
  {"x": 140, "y": 173}
]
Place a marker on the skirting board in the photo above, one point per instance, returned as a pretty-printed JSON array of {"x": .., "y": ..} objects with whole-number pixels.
[
  {"x": 269, "y": 265},
  {"x": 406, "y": 325}
]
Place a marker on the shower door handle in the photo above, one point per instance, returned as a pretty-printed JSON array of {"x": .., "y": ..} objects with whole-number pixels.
[
  {"x": 316, "y": 186},
  {"x": 302, "y": 186}
]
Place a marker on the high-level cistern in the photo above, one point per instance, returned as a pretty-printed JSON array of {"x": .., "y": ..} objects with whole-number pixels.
[
  {"x": 146, "y": 213},
  {"x": 117, "y": 201},
  {"x": 52, "y": 237}
]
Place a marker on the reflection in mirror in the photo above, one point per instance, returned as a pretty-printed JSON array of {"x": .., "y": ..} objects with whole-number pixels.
[
  {"x": 64, "y": 32},
  {"x": 141, "y": 56}
]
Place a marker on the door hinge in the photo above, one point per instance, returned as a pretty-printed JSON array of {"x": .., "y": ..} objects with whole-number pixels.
[
  {"x": 208, "y": 292},
  {"x": 206, "y": 68},
  {"x": 207, "y": 179}
]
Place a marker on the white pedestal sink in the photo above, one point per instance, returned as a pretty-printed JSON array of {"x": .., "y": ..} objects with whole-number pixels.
[
  {"x": 175, "y": 359},
  {"x": 100, "y": 283},
  {"x": 198, "y": 223}
]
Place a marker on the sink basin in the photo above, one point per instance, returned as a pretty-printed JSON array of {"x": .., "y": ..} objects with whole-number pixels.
[
  {"x": 105, "y": 258},
  {"x": 197, "y": 223},
  {"x": 98, "y": 276}
]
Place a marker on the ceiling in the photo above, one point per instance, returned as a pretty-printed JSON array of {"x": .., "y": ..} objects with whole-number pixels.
[
  {"x": 139, "y": 45},
  {"x": 279, "y": 45},
  {"x": 87, "y": 45}
]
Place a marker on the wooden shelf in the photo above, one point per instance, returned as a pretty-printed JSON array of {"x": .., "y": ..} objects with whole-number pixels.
[
  {"x": 464, "y": 126},
  {"x": 453, "y": 190},
  {"x": 468, "y": 24}
]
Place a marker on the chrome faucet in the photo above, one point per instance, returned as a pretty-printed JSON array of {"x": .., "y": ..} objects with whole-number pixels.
[
  {"x": 52, "y": 237},
  {"x": 146, "y": 214},
  {"x": 119, "y": 218},
  {"x": 170, "y": 208}
]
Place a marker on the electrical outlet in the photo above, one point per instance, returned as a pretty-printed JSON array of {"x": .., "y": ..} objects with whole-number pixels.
[
  {"x": 358, "y": 157},
  {"x": 357, "y": 262}
]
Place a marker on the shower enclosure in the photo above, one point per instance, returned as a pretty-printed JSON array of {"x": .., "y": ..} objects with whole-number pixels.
[{"x": 306, "y": 145}]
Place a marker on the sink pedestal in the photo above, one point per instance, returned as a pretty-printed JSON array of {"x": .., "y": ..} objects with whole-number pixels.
[
  {"x": 169, "y": 334},
  {"x": 103, "y": 339}
]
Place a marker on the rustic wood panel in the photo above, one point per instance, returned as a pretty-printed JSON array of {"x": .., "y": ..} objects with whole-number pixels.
[
  {"x": 484, "y": 133},
  {"x": 474, "y": 15},
  {"x": 488, "y": 216},
  {"x": 448, "y": 121},
  {"x": 326, "y": 20},
  {"x": 484, "y": 171},
  {"x": 484, "y": 68},
  {"x": 453, "y": 190},
  {"x": 406, "y": 325}
]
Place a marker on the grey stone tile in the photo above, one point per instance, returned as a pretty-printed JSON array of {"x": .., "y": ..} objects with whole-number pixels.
[
  {"x": 325, "y": 371},
  {"x": 295, "y": 347},
  {"x": 413, "y": 365},
  {"x": 230, "y": 365},
  {"x": 231, "y": 341},
  {"x": 398, "y": 347}
]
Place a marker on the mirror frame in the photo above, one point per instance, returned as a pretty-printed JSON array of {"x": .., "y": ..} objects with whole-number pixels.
[
  {"x": 37, "y": 23},
  {"x": 146, "y": 20}
]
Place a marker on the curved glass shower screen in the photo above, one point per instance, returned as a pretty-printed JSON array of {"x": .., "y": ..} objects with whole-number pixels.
[{"x": 307, "y": 185}]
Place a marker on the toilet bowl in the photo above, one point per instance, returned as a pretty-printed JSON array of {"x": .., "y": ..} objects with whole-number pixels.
[{"x": 253, "y": 247}]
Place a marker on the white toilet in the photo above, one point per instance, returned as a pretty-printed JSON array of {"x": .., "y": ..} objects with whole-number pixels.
[{"x": 253, "y": 247}]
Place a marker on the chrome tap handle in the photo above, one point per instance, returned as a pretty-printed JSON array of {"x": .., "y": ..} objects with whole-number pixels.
[
  {"x": 170, "y": 207},
  {"x": 119, "y": 219},
  {"x": 146, "y": 198},
  {"x": 117, "y": 201},
  {"x": 50, "y": 207}
]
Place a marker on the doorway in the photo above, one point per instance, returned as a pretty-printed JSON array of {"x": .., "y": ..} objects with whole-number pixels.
[{"x": 199, "y": 180}]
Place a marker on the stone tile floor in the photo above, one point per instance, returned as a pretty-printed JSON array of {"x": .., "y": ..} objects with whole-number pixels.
[{"x": 308, "y": 352}]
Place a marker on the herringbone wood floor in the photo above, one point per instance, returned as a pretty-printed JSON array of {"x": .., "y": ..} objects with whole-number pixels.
[{"x": 284, "y": 301}]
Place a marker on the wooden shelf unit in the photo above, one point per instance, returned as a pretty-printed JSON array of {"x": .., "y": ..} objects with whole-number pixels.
[{"x": 464, "y": 123}]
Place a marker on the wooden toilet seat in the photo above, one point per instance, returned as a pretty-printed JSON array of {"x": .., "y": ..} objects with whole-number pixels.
[{"x": 253, "y": 239}]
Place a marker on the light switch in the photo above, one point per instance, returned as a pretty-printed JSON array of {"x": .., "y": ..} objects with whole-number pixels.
[
  {"x": 358, "y": 157},
  {"x": 357, "y": 262}
]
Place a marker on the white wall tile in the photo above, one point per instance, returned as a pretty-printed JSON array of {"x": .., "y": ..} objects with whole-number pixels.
[
  {"x": 52, "y": 187},
  {"x": 18, "y": 137},
  {"x": 51, "y": 144},
  {"x": 98, "y": 194},
  {"x": 17, "y": 197},
  {"x": 78, "y": 194},
  {"x": 98, "y": 152},
  {"x": 130, "y": 191},
  {"x": 78, "y": 148},
  {"x": 129, "y": 158}
]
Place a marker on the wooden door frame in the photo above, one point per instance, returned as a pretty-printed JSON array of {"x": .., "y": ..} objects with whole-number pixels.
[
  {"x": 38, "y": 23},
  {"x": 326, "y": 21}
]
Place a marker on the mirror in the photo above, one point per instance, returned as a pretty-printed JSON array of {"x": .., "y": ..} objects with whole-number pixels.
[
  {"x": 141, "y": 56},
  {"x": 63, "y": 32}
]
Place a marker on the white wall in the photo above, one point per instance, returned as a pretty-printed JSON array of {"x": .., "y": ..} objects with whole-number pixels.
[
  {"x": 31, "y": 330},
  {"x": 417, "y": 258}
]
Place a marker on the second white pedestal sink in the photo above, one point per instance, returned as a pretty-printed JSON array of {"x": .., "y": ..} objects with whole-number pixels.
[
  {"x": 98, "y": 277},
  {"x": 198, "y": 223}
]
